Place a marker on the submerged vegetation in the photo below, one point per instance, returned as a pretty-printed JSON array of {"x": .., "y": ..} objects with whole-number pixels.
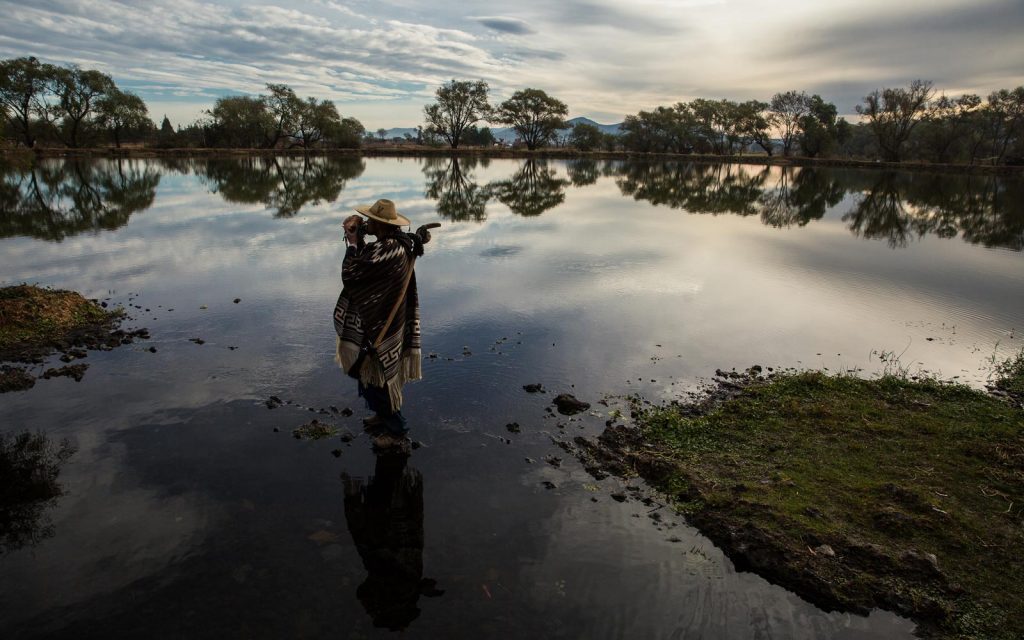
[
  {"x": 29, "y": 466},
  {"x": 893, "y": 493}
]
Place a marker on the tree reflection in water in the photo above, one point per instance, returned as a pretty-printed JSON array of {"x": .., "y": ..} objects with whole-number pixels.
[
  {"x": 284, "y": 184},
  {"x": 698, "y": 188},
  {"x": 533, "y": 189},
  {"x": 582, "y": 172},
  {"x": 29, "y": 466},
  {"x": 52, "y": 200},
  {"x": 385, "y": 518},
  {"x": 450, "y": 181},
  {"x": 896, "y": 207},
  {"x": 799, "y": 196}
]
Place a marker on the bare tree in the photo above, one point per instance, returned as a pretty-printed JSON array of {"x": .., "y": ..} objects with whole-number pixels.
[
  {"x": 788, "y": 109},
  {"x": 459, "y": 104},
  {"x": 894, "y": 113}
]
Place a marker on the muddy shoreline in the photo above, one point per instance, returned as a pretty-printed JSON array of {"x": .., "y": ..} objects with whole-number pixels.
[
  {"x": 561, "y": 154},
  {"x": 846, "y": 567}
]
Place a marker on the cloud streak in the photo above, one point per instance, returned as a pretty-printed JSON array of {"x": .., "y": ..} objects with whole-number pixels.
[{"x": 381, "y": 61}]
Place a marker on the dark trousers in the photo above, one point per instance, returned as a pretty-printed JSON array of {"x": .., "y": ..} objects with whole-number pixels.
[{"x": 378, "y": 400}]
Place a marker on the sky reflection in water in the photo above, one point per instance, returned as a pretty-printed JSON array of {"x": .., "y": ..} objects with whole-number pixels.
[{"x": 185, "y": 513}]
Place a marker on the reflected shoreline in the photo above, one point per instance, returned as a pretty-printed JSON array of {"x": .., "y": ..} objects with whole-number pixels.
[{"x": 56, "y": 199}]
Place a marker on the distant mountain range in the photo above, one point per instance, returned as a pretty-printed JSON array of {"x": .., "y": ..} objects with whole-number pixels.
[{"x": 507, "y": 134}]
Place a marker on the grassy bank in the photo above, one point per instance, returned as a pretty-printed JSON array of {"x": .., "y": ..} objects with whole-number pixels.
[
  {"x": 552, "y": 153},
  {"x": 854, "y": 493},
  {"x": 36, "y": 322},
  {"x": 34, "y": 319}
]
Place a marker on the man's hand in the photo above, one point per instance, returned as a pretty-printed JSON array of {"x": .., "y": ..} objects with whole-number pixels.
[
  {"x": 424, "y": 231},
  {"x": 351, "y": 226}
]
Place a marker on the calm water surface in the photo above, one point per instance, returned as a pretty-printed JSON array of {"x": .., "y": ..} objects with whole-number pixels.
[{"x": 186, "y": 514}]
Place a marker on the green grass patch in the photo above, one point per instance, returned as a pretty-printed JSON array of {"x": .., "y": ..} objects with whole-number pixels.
[
  {"x": 32, "y": 316},
  {"x": 922, "y": 467}
]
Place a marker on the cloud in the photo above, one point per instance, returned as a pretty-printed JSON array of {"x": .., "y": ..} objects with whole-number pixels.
[
  {"x": 603, "y": 58},
  {"x": 515, "y": 26}
]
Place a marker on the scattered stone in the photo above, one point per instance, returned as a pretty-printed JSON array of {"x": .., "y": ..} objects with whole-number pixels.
[
  {"x": 554, "y": 461},
  {"x": 314, "y": 430},
  {"x": 336, "y": 453},
  {"x": 276, "y": 430},
  {"x": 533, "y": 388},
  {"x": 825, "y": 550},
  {"x": 529, "y": 460},
  {"x": 15, "y": 379},
  {"x": 346, "y": 412},
  {"x": 197, "y": 340},
  {"x": 619, "y": 497},
  {"x": 416, "y": 444},
  {"x": 236, "y": 300},
  {"x": 814, "y": 512},
  {"x": 151, "y": 349},
  {"x": 568, "y": 404},
  {"x": 513, "y": 427},
  {"x": 346, "y": 436},
  {"x": 74, "y": 371},
  {"x": 549, "y": 485}
]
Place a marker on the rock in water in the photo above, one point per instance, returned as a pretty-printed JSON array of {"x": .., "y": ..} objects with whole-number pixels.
[{"x": 568, "y": 404}]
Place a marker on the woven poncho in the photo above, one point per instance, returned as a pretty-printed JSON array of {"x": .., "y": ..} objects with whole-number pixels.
[{"x": 372, "y": 276}]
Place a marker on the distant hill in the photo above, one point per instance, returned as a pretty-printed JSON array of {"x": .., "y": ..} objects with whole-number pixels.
[{"x": 507, "y": 134}]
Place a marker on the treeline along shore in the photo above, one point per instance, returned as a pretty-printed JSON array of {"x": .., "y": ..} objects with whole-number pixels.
[{"x": 50, "y": 109}]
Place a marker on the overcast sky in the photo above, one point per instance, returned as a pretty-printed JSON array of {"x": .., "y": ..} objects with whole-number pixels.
[{"x": 380, "y": 61}]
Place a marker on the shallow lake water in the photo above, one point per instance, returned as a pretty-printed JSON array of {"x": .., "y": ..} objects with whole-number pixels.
[{"x": 190, "y": 511}]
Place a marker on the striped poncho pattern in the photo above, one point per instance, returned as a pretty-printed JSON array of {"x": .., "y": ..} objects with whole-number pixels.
[{"x": 373, "y": 275}]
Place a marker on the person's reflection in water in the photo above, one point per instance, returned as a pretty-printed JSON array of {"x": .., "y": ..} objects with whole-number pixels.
[{"x": 385, "y": 518}]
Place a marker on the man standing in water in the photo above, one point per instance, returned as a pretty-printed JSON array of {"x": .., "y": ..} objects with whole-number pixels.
[{"x": 377, "y": 317}]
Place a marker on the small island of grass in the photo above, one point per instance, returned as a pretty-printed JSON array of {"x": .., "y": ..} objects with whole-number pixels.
[
  {"x": 36, "y": 322},
  {"x": 892, "y": 493}
]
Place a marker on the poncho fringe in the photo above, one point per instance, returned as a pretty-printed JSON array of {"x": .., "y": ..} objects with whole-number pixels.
[{"x": 373, "y": 374}]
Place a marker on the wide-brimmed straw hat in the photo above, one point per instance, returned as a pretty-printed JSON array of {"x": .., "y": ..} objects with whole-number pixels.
[{"x": 383, "y": 211}]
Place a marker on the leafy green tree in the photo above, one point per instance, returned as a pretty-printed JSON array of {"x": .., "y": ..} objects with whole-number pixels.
[
  {"x": 120, "y": 111},
  {"x": 283, "y": 106},
  {"x": 24, "y": 83},
  {"x": 316, "y": 120},
  {"x": 893, "y": 113},
  {"x": 458, "y": 105},
  {"x": 585, "y": 137},
  {"x": 474, "y": 137},
  {"x": 534, "y": 115},
  {"x": 240, "y": 121},
  {"x": 79, "y": 91},
  {"x": 789, "y": 109},
  {"x": 752, "y": 123},
  {"x": 942, "y": 136},
  {"x": 1005, "y": 110},
  {"x": 821, "y": 131},
  {"x": 348, "y": 134}
]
